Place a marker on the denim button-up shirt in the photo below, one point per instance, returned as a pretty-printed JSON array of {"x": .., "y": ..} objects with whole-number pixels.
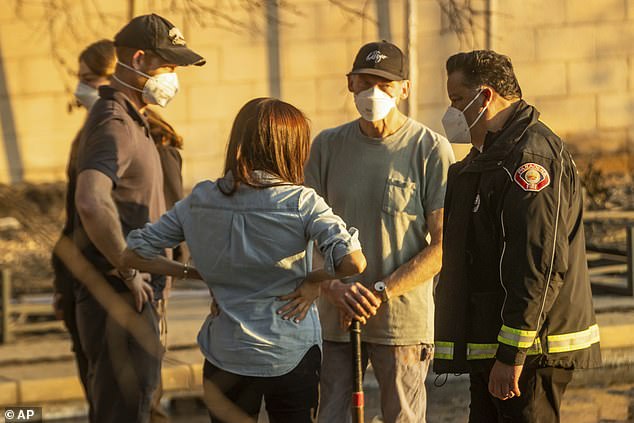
[{"x": 250, "y": 248}]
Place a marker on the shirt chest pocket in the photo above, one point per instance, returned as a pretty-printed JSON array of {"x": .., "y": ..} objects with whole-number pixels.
[{"x": 400, "y": 197}]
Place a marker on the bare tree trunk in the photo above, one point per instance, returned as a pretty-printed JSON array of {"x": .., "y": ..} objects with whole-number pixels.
[{"x": 411, "y": 40}]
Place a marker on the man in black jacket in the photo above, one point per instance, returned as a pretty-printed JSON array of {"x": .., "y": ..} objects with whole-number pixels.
[{"x": 513, "y": 304}]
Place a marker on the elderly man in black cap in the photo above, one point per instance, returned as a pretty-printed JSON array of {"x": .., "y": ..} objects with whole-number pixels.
[
  {"x": 120, "y": 188},
  {"x": 385, "y": 174}
]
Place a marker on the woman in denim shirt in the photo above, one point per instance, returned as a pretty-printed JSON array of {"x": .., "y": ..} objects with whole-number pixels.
[{"x": 251, "y": 234}]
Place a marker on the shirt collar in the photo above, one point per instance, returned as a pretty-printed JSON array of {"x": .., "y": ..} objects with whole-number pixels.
[
  {"x": 109, "y": 93},
  {"x": 266, "y": 177}
]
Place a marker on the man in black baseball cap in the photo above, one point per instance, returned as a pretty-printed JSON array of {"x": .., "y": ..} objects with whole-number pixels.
[
  {"x": 156, "y": 34},
  {"x": 381, "y": 59},
  {"x": 379, "y": 65},
  {"x": 149, "y": 48},
  {"x": 385, "y": 174},
  {"x": 120, "y": 188}
]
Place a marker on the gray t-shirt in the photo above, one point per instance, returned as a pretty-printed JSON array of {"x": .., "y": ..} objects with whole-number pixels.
[{"x": 384, "y": 187}]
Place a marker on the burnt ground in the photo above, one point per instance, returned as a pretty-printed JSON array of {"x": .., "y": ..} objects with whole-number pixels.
[
  {"x": 39, "y": 210},
  {"x": 26, "y": 250}
]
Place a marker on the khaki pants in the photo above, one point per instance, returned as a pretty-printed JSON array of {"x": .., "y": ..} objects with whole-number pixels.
[{"x": 399, "y": 369}]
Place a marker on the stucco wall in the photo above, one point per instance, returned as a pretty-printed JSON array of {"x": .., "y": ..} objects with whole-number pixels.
[{"x": 574, "y": 60}]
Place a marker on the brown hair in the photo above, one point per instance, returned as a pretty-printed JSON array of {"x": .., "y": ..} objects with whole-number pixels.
[
  {"x": 268, "y": 135},
  {"x": 125, "y": 54},
  {"x": 100, "y": 57},
  {"x": 162, "y": 132}
]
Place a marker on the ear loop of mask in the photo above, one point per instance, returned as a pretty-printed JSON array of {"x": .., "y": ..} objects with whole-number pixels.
[
  {"x": 132, "y": 69},
  {"x": 481, "y": 113},
  {"x": 125, "y": 84}
]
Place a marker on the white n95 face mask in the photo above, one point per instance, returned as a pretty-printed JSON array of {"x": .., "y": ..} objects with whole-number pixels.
[
  {"x": 455, "y": 123},
  {"x": 374, "y": 104},
  {"x": 158, "y": 89},
  {"x": 86, "y": 95}
]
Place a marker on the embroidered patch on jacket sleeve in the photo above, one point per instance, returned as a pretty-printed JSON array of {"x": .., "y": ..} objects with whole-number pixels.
[{"x": 532, "y": 177}]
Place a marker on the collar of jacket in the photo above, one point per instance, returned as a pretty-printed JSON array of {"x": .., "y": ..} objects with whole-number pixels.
[{"x": 500, "y": 144}]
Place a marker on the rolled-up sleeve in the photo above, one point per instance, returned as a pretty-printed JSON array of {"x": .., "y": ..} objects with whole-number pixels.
[
  {"x": 333, "y": 239},
  {"x": 168, "y": 232}
]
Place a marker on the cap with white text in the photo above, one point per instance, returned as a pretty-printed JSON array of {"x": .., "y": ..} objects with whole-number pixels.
[{"x": 382, "y": 59}]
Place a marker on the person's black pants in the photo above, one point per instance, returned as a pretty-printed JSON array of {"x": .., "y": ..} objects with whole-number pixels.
[
  {"x": 64, "y": 286},
  {"x": 124, "y": 358},
  {"x": 70, "y": 321},
  {"x": 293, "y": 397},
  {"x": 541, "y": 392}
]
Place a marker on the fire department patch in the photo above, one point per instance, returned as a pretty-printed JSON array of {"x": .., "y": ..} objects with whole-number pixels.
[{"x": 532, "y": 177}]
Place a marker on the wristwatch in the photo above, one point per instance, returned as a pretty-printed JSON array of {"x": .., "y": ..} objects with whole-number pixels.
[{"x": 380, "y": 289}]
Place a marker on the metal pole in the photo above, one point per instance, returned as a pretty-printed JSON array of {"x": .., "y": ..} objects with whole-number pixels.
[
  {"x": 9, "y": 132},
  {"x": 629, "y": 250},
  {"x": 273, "y": 47},
  {"x": 411, "y": 25},
  {"x": 357, "y": 373},
  {"x": 5, "y": 292},
  {"x": 131, "y": 11},
  {"x": 489, "y": 24},
  {"x": 383, "y": 13}
]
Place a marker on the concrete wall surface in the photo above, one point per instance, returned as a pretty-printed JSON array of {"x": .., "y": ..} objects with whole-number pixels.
[{"x": 574, "y": 60}]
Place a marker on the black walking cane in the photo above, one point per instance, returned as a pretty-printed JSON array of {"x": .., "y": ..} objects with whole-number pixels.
[{"x": 357, "y": 373}]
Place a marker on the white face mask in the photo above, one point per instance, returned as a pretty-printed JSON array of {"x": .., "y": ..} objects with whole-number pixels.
[
  {"x": 158, "y": 89},
  {"x": 374, "y": 104},
  {"x": 455, "y": 123},
  {"x": 86, "y": 95}
]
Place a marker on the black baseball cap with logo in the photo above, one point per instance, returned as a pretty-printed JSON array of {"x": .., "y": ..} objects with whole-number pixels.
[
  {"x": 156, "y": 34},
  {"x": 381, "y": 58}
]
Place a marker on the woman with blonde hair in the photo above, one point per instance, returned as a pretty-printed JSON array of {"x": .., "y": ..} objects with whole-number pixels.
[{"x": 250, "y": 234}]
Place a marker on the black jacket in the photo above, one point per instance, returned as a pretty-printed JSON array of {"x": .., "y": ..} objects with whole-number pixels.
[{"x": 514, "y": 280}]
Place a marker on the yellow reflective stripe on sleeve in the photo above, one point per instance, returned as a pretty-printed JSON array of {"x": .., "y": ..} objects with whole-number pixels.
[
  {"x": 443, "y": 350},
  {"x": 573, "y": 341},
  {"x": 536, "y": 348},
  {"x": 481, "y": 351},
  {"x": 484, "y": 351},
  {"x": 516, "y": 337}
]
